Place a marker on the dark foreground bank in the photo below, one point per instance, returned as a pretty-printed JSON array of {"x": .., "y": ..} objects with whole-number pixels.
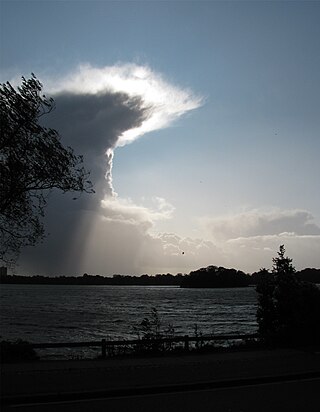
[{"x": 57, "y": 381}]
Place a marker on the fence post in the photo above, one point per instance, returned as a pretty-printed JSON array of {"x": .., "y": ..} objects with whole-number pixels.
[
  {"x": 103, "y": 349},
  {"x": 186, "y": 343}
]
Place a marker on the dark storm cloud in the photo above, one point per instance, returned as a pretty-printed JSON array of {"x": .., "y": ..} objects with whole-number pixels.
[{"x": 90, "y": 124}]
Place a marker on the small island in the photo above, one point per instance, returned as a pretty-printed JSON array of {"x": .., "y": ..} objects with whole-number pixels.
[{"x": 216, "y": 277}]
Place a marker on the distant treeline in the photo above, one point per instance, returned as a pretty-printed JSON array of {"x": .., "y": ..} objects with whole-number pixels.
[
  {"x": 307, "y": 275},
  {"x": 129, "y": 280},
  {"x": 209, "y": 277}
]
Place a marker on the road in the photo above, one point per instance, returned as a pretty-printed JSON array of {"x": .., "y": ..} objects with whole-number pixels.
[{"x": 292, "y": 396}]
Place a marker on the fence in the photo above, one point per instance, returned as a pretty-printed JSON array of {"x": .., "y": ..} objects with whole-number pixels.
[{"x": 111, "y": 344}]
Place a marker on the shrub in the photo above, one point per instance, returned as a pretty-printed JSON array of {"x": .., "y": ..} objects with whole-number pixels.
[{"x": 150, "y": 332}]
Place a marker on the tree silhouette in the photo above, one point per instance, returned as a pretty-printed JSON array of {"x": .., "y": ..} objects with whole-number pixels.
[
  {"x": 282, "y": 265},
  {"x": 32, "y": 163},
  {"x": 288, "y": 309}
]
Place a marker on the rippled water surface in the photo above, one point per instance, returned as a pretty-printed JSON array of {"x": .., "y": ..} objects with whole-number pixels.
[{"x": 55, "y": 313}]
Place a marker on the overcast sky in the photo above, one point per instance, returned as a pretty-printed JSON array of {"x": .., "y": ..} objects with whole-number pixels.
[{"x": 199, "y": 122}]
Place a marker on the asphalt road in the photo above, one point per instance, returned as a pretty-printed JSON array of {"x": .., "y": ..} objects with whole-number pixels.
[{"x": 293, "y": 396}]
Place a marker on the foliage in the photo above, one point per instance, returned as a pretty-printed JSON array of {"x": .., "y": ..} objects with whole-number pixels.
[
  {"x": 309, "y": 275},
  {"x": 150, "y": 327},
  {"x": 288, "y": 309},
  {"x": 150, "y": 331},
  {"x": 215, "y": 277},
  {"x": 198, "y": 334},
  {"x": 18, "y": 351},
  {"x": 32, "y": 163}
]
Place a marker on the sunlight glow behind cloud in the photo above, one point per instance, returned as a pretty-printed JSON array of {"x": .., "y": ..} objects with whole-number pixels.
[{"x": 163, "y": 101}]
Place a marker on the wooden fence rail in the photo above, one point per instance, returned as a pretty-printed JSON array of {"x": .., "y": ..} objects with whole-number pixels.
[{"x": 104, "y": 344}]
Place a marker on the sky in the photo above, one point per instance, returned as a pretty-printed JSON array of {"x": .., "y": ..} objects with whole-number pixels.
[{"x": 199, "y": 122}]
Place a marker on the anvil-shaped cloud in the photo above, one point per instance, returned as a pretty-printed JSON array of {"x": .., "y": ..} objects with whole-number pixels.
[
  {"x": 98, "y": 110},
  {"x": 162, "y": 101}
]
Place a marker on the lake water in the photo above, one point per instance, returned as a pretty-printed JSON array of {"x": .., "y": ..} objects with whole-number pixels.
[{"x": 59, "y": 313}]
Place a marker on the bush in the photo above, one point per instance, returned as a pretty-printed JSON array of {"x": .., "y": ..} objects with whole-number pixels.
[{"x": 150, "y": 332}]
